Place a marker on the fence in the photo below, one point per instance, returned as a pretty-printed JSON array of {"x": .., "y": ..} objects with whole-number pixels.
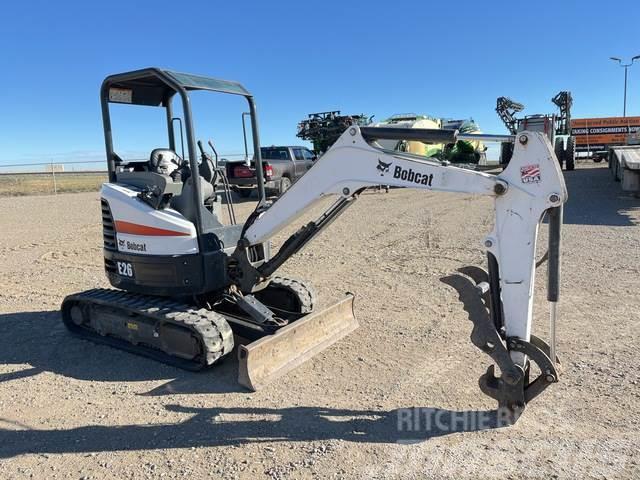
[
  {"x": 58, "y": 177},
  {"x": 51, "y": 177}
]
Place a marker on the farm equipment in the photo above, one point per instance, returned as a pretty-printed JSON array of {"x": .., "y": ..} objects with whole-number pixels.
[
  {"x": 188, "y": 288},
  {"x": 506, "y": 110},
  {"x": 556, "y": 127},
  {"x": 412, "y": 120},
  {"x": 460, "y": 151},
  {"x": 324, "y": 128}
]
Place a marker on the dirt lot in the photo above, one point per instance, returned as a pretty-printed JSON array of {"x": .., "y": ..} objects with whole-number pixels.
[{"x": 69, "y": 409}]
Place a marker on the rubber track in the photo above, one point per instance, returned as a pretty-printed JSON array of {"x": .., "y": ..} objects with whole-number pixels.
[
  {"x": 212, "y": 328},
  {"x": 305, "y": 293}
]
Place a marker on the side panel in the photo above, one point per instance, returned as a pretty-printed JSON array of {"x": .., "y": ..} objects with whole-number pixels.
[
  {"x": 155, "y": 275},
  {"x": 143, "y": 230},
  {"x": 171, "y": 276},
  {"x": 156, "y": 252}
]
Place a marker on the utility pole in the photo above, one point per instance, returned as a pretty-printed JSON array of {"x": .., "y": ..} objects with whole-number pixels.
[{"x": 626, "y": 67}]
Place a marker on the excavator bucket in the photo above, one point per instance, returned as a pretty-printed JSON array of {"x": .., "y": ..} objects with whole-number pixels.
[{"x": 272, "y": 356}]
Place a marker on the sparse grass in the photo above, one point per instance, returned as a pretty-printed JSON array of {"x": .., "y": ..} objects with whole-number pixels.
[{"x": 42, "y": 184}]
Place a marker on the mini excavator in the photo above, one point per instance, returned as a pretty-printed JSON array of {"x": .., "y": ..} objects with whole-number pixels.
[{"x": 187, "y": 287}]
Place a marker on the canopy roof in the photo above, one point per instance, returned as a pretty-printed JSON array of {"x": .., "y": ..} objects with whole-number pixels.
[{"x": 151, "y": 86}]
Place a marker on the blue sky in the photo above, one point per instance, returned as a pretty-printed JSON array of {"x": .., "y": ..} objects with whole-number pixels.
[{"x": 449, "y": 59}]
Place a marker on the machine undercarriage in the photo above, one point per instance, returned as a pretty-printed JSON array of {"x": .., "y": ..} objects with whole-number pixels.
[{"x": 194, "y": 333}]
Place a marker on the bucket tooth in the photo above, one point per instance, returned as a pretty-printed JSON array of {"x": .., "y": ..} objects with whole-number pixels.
[{"x": 272, "y": 356}]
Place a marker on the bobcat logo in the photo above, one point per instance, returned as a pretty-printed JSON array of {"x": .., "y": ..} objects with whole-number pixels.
[
  {"x": 383, "y": 167},
  {"x": 120, "y": 243}
]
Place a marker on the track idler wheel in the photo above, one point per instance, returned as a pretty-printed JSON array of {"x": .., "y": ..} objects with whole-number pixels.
[
  {"x": 77, "y": 316},
  {"x": 288, "y": 297}
]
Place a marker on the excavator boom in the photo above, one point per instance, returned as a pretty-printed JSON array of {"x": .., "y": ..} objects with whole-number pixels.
[{"x": 529, "y": 187}]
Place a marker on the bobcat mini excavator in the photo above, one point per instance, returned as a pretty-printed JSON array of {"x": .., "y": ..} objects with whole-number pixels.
[{"x": 187, "y": 286}]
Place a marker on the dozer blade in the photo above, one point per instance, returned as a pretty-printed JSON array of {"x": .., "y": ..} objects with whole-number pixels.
[{"x": 272, "y": 356}]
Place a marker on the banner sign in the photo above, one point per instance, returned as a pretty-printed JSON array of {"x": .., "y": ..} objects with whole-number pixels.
[{"x": 596, "y": 134}]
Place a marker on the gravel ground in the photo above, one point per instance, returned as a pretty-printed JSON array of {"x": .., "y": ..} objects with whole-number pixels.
[{"x": 398, "y": 398}]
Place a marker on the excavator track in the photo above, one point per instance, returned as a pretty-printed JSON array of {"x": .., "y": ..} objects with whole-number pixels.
[
  {"x": 301, "y": 294},
  {"x": 163, "y": 329}
]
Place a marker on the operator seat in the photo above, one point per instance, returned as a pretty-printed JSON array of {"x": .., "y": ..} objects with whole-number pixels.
[
  {"x": 160, "y": 156},
  {"x": 183, "y": 203},
  {"x": 166, "y": 162},
  {"x": 156, "y": 183}
]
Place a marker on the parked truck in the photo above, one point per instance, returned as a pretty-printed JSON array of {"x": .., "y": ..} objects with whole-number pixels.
[{"x": 281, "y": 167}]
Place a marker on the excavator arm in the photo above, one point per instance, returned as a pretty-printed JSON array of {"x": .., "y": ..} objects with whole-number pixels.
[{"x": 529, "y": 187}]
